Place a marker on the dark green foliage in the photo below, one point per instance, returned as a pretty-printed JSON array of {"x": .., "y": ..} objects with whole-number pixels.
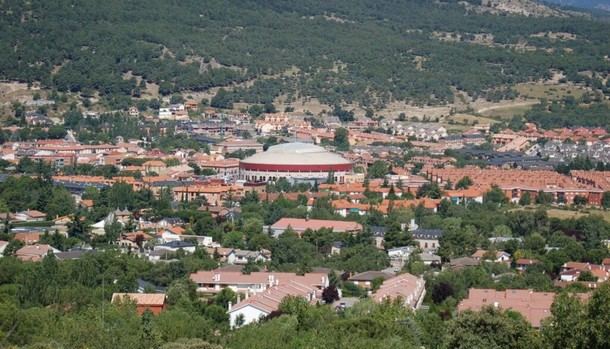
[
  {"x": 341, "y": 140},
  {"x": 376, "y": 44},
  {"x": 490, "y": 328},
  {"x": 569, "y": 115}
]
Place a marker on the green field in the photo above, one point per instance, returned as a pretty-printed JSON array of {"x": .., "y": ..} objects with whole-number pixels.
[
  {"x": 550, "y": 92},
  {"x": 506, "y": 112}
]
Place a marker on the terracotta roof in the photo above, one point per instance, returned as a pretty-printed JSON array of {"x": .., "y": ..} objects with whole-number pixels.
[
  {"x": 28, "y": 237},
  {"x": 178, "y": 230},
  {"x": 534, "y": 306},
  {"x": 86, "y": 203},
  {"x": 154, "y": 163},
  {"x": 223, "y": 277},
  {"x": 33, "y": 253},
  {"x": 405, "y": 286},
  {"x": 34, "y": 214},
  {"x": 140, "y": 298},
  {"x": 344, "y": 204},
  {"x": 300, "y": 224},
  {"x": 471, "y": 192},
  {"x": 270, "y": 299},
  {"x": 526, "y": 261},
  {"x": 481, "y": 253}
]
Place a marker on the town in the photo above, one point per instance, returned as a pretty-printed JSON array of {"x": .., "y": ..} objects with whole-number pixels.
[{"x": 257, "y": 211}]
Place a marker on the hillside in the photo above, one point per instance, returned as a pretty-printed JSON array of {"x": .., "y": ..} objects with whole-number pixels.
[
  {"x": 365, "y": 52},
  {"x": 591, "y": 4}
]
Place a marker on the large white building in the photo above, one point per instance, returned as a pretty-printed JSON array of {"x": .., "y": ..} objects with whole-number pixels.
[{"x": 296, "y": 162}]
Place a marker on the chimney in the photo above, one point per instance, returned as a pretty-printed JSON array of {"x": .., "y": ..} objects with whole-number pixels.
[{"x": 230, "y": 305}]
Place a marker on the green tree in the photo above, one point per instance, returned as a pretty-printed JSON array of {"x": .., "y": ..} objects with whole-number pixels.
[
  {"x": 463, "y": 183},
  {"x": 544, "y": 198},
  {"x": 430, "y": 190},
  {"x": 341, "y": 139},
  {"x": 606, "y": 200},
  {"x": 495, "y": 196},
  {"x": 525, "y": 199},
  {"x": 490, "y": 328}
]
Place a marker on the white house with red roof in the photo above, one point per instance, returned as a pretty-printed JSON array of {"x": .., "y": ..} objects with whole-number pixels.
[
  {"x": 260, "y": 305},
  {"x": 214, "y": 281},
  {"x": 410, "y": 289}
]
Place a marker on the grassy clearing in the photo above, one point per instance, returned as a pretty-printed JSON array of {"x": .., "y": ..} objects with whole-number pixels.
[
  {"x": 506, "y": 112},
  {"x": 550, "y": 92},
  {"x": 574, "y": 213},
  {"x": 460, "y": 122}
]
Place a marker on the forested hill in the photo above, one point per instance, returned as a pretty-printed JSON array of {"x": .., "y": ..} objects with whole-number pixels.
[
  {"x": 365, "y": 51},
  {"x": 594, "y": 4}
]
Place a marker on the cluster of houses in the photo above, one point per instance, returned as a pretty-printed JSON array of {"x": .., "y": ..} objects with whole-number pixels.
[{"x": 260, "y": 293}]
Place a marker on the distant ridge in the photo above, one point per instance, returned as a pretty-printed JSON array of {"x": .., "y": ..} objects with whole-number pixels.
[{"x": 587, "y": 4}]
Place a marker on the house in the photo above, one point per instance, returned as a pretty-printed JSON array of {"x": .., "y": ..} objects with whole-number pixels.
[
  {"x": 242, "y": 257},
  {"x": 168, "y": 236},
  {"x": 464, "y": 196},
  {"x": 156, "y": 166},
  {"x": 365, "y": 279},
  {"x": 523, "y": 263},
  {"x": 235, "y": 144},
  {"x": 344, "y": 208},
  {"x": 300, "y": 225},
  {"x": 175, "y": 246},
  {"x": 28, "y": 237},
  {"x": 410, "y": 289},
  {"x": 86, "y": 204},
  {"x": 430, "y": 258},
  {"x": 133, "y": 240},
  {"x": 463, "y": 262},
  {"x": 99, "y": 228},
  {"x": 215, "y": 280},
  {"x": 153, "y": 302},
  {"x": 220, "y": 253},
  {"x": 30, "y": 216},
  {"x": 571, "y": 272},
  {"x": 497, "y": 257},
  {"x": 378, "y": 235},
  {"x": 427, "y": 239},
  {"x": 533, "y": 306},
  {"x": 35, "y": 253},
  {"x": 159, "y": 255},
  {"x": 260, "y": 305},
  {"x": 399, "y": 256}
]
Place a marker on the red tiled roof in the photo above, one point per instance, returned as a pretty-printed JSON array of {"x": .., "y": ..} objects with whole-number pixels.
[
  {"x": 140, "y": 298},
  {"x": 534, "y": 306},
  {"x": 222, "y": 277},
  {"x": 405, "y": 286},
  {"x": 300, "y": 224}
]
